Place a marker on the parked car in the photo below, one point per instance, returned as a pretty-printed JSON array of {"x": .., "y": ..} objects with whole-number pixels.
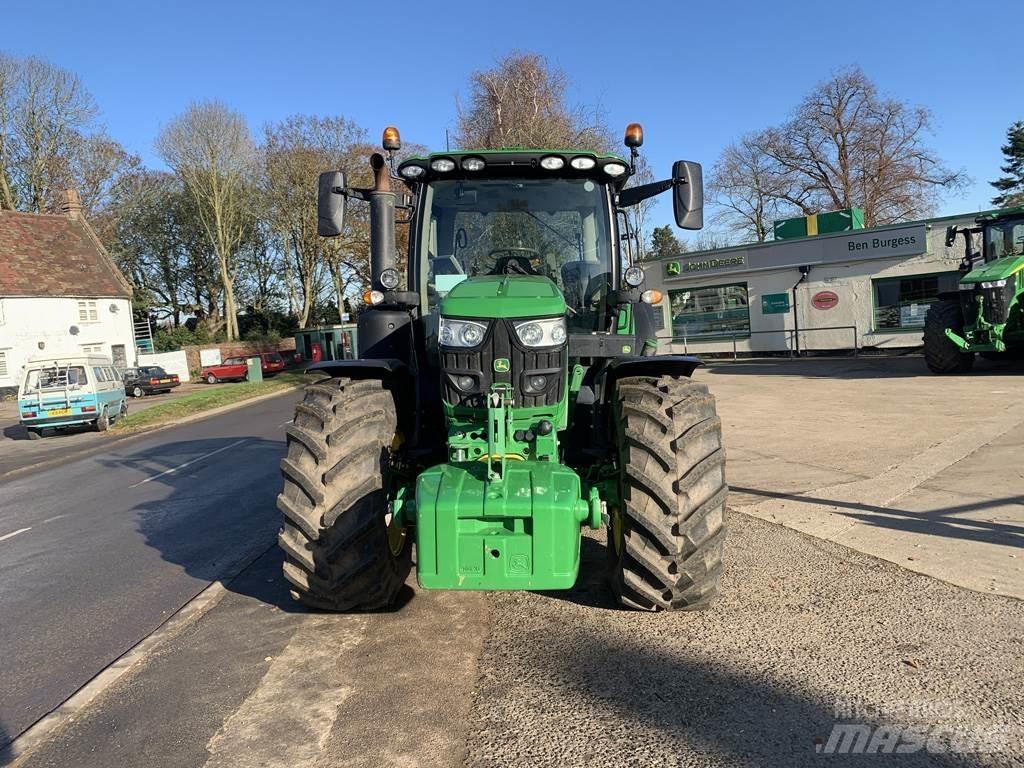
[
  {"x": 149, "y": 380},
  {"x": 272, "y": 363},
  {"x": 232, "y": 369},
  {"x": 58, "y": 392}
]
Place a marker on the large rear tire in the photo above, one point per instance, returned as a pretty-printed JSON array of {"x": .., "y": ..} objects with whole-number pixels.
[
  {"x": 665, "y": 543},
  {"x": 340, "y": 553},
  {"x": 940, "y": 353}
]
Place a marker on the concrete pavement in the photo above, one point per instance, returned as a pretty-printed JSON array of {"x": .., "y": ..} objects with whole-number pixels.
[{"x": 881, "y": 456}]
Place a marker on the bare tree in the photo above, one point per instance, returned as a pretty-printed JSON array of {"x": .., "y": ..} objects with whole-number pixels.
[
  {"x": 521, "y": 102},
  {"x": 210, "y": 149},
  {"x": 845, "y": 146},
  {"x": 49, "y": 140},
  {"x": 747, "y": 187},
  {"x": 294, "y": 152}
]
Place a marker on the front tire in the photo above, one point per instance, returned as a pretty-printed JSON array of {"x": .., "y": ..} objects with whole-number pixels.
[
  {"x": 211, "y": 379},
  {"x": 665, "y": 543},
  {"x": 340, "y": 553},
  {"x": 940, "y": 353}
]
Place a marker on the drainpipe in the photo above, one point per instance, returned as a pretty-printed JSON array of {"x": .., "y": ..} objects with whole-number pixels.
[{"x": 804, "y": 271}]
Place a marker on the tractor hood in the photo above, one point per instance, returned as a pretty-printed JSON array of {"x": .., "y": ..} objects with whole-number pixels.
[
  {"x": 504, "y": 296},
  {"x": 1000, "y": 269}
]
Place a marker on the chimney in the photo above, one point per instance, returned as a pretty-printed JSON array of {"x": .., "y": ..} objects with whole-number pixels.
[{"x": 71, "y": 205}]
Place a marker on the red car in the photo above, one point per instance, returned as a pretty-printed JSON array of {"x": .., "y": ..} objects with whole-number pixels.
[
  {"x": 236, "y": 368},
  {"x": 232, "y": 369}
]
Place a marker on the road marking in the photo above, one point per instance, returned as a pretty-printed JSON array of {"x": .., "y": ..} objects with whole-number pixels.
[
  {"x": 287, "y": 422},
  {"x": 286, "y": 721},
  {"x": 172, "y": 470},
  {"x": 12, "y": 534},
  {"x": 55, "y": 517}
]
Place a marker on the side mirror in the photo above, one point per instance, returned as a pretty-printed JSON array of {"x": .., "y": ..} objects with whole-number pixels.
[
  {"x": 688, "y": 194},
  {"x": 950, "y": 236},
  {"x": 330, "y": 204}
]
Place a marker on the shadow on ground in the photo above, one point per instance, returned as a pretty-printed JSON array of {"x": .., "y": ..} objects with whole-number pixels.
[
  {"x": 940, "y": 522},
  {"x": 211, "y": 523},
  {"x": 882, "y": 367}
]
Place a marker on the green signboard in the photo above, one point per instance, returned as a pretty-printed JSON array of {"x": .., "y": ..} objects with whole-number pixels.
[{"x": 774, "y": 303}]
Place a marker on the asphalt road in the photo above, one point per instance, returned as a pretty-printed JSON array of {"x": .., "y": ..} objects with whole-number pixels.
[{"x": 95, "y": 553}]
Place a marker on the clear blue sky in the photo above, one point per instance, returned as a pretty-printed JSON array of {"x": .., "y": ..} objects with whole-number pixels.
[{"x": 695, "y": 74}]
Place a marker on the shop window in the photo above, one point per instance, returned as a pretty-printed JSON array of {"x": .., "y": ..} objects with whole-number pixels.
[
  {"x": 717, "y": 311},
  {"x": 902, "y": 302}
]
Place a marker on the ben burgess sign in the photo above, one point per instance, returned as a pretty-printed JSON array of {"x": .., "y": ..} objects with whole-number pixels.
[{"x": 910, "y": 240}]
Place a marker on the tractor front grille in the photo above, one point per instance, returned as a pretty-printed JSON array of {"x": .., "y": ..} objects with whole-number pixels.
[
  {"x": 995, "y": 302},
  {"x": 478, "y": 363}
]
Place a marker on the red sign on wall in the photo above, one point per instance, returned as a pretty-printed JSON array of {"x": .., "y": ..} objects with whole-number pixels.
[{"x": 825, "y": 299}]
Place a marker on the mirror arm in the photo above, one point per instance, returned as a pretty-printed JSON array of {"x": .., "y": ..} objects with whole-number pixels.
[
  {"x": 634, "y": 195},
  {"x": 353, "y": 192}
]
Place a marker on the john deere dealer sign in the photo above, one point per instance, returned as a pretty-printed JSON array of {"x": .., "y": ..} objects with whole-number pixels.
[{"x": 674, "y": 268}]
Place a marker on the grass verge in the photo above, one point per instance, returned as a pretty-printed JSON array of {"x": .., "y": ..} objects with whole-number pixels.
[{"x": 216, "y": 396}]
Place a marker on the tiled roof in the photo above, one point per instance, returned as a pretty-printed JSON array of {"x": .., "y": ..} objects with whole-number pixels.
[{"x": 50, "y": 255}]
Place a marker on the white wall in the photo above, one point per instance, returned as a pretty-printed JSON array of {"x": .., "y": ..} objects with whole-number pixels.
[
  {"x": 172, "y": 362},
  {"x": 25, "y": 323}
]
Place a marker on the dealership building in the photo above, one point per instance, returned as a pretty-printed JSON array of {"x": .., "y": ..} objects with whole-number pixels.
[{"x": 846, "y": 290}]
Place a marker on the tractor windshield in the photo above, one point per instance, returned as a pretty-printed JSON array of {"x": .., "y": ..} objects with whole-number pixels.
[
  {"x": 556, "y": 228},
  {"x": 1004, "y": 238}
]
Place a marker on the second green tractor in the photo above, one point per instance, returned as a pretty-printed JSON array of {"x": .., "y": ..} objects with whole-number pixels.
[{"x": 507, "y": 393}]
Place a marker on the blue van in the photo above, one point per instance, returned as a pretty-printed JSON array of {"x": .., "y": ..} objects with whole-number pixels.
[{"x": 68, "y": 391}]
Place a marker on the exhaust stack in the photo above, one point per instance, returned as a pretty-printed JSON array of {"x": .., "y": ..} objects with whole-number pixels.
[{"x": 382, "y": 221}]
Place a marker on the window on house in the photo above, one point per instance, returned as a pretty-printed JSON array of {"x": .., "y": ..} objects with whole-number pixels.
[
  {"x": 710, "y": 311},
  {"x": 92, "y": 349},
  {"x": 902, "y": 302},
  {"x": 3, "y": 364},
  {"x": 87, "y": 312}
]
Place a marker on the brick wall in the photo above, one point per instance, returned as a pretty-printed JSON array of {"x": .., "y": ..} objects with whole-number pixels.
[{"x": 236, "y": 349}]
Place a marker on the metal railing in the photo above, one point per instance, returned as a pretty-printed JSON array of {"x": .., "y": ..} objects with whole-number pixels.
[{"x": 792, "y": 335}]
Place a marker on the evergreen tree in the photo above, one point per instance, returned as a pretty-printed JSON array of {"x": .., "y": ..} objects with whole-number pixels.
[
  {"x": 1011, "y": 186},
  {"x": 665, "y": 244}
]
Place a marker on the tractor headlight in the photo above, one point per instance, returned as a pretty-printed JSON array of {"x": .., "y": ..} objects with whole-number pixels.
[
  {"x": 615, "y": 169},
  {"x": 552, "y": 163},
  {"x": 411, "y": 171},
  {"x": 633, "y": 277},
  {"x": 442, "y": 165},
  {"x": 473, "y": 164},
  {"x": 994, "y": 284},
  {"x": 541, "y": 333},
  {"x": 583, "y": 163},
  {"x": 390, "y": 278},
  {"x": 461, "y": 333}
]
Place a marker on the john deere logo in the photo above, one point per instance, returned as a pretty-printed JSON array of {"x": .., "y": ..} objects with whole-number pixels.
[
  {"x": 501, "y": 365},
  {"x": 672, "y": 268}
]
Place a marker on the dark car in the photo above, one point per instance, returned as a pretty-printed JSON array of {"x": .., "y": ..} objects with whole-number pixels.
[{"x": 148, "y": 380}]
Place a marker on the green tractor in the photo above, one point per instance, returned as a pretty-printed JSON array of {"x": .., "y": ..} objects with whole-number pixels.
[
  {"x": 987, "y": 316},
  {"x": 506, "y": 394}
]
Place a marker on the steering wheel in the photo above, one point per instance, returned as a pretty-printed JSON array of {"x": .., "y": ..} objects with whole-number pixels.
[{"x": 515, "y": 263}]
